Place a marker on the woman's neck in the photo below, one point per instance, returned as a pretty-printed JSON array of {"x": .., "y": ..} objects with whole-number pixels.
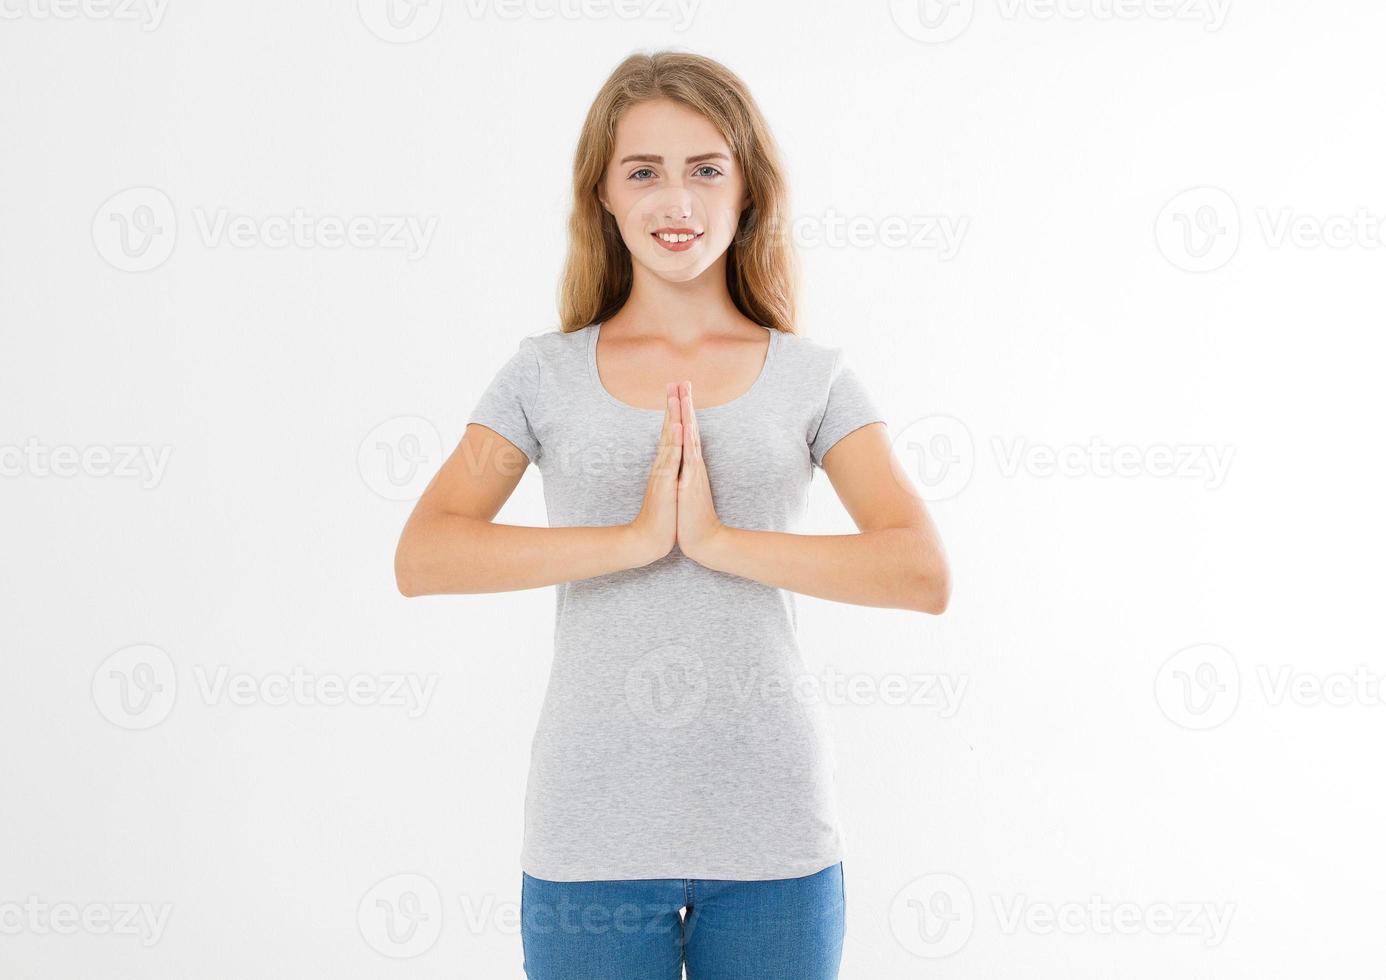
[{"x": 680, "y": 311}]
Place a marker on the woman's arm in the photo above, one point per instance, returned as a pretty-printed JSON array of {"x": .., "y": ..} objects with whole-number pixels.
[
  {"x": 450, "y": 544},
  {"x": 897, "y": 559}
]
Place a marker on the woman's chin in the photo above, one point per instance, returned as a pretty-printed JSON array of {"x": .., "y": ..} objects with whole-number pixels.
[
  {"x": 676, "y": 266},
  {"x": 677, "y": 275}
]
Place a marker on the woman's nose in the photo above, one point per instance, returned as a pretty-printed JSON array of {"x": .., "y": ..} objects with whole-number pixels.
[
  {"x": 669, "y": 204},
  {"x": 679, "y": 203}
]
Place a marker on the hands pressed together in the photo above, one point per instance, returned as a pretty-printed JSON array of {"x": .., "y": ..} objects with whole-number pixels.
[{"x": 678, "y": 498}]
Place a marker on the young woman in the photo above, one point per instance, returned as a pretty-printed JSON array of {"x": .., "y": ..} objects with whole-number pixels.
[{"x": 681, "y": 806}]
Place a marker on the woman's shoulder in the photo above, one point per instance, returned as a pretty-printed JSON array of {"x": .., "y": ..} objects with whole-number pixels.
[
  {"x": 809, "y": 356},
  {"x": 552, "y": 359},
  {"x": 555, "y": 345},
  {"x": 549, "y": 338}
]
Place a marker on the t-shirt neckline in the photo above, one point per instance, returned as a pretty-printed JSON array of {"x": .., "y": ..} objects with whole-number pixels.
[{"x": 595, "y": 328}]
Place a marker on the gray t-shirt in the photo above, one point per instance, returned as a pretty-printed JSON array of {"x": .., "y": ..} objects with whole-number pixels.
[{"x": 672, "y": 741}]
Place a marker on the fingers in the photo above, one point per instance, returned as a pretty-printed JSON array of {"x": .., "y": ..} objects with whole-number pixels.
[
  {"x": 689, "y": 414},
  {"x": 670, "y": 451},
  {"x": 691, "y": 444},
  {"x": 671, "y": 406},
  {"x": 692, "y": 439}
]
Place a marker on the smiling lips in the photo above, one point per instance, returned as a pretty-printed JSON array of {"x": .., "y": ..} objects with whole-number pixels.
[{"x": 676, "y": 239}]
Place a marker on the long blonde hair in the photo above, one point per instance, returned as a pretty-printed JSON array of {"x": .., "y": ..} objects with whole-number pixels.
[{"x": 762, "y": 269}]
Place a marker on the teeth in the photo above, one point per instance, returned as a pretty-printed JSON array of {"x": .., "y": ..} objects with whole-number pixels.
[{"x": 671, "y": 238}]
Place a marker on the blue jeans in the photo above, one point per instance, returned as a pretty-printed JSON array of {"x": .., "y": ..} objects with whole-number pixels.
[{"x": 732, "y": 930}]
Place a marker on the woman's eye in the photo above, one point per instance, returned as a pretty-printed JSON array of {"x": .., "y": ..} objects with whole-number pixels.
[{"x": 706, "y": 170}]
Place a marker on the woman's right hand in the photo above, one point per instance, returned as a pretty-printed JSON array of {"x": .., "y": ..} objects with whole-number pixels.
[{"x": 655, "y": 528}]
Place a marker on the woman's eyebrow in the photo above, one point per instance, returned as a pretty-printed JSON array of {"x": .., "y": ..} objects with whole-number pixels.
[{"x": 656, "y": 158}]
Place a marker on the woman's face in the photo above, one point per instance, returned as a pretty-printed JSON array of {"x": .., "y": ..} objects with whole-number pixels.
[{"x": 673, "y": 176}]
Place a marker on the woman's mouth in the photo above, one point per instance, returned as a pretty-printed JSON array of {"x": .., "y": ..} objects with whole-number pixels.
[{"x": 676, "y": 239}]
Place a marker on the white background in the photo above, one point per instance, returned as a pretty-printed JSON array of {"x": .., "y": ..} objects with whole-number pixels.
[{"x": 299, "y": 396}]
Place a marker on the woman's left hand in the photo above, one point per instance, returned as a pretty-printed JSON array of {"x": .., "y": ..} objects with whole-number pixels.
[{"x": 698, "y": 524}]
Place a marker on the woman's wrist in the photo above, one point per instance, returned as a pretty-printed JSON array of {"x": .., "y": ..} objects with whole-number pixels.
[
  {"x": 715, "y": 549},
  {"x": 632, "y": 546}
]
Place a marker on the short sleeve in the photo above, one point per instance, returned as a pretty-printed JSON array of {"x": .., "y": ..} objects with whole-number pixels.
[
  {"x": 508, "y": 403},
  {"x": 850, "y": 405}
]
